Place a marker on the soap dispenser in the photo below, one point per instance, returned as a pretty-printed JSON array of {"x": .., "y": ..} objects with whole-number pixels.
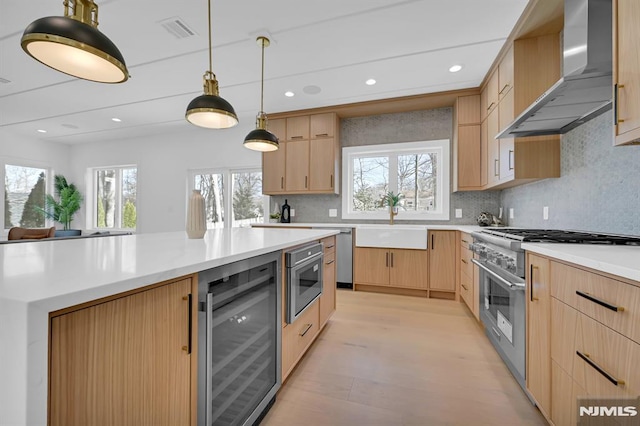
[{"x": 285, "y": 216}]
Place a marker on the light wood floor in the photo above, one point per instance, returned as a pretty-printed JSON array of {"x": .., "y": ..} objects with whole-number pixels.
[{"x": 395, "y": 360}]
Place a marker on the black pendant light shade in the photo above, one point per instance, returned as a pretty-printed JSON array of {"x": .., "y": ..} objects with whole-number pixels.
[
  {"x": 261, "y": 139},
  {"x": 75, "y": 46},
  {"x": 210, "y": 110}
]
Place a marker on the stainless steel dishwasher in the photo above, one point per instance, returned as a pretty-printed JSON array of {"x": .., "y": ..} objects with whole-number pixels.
[{"x": 344, "y": 255}]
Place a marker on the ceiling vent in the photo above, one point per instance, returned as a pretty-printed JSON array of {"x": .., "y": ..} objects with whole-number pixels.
[
  {"x": 177, "y": 27},
  {"x": 4, "y": 80}
]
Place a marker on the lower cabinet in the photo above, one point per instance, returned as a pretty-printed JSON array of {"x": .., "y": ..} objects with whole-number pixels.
[
  {"x": 297, "y": 337},
  {"x": 328, "y": 297},
  {"x": 127, "y": 360},
  {"x": 401, "y": 268},
  {"x": 469, "y": 277},
  {"x": 442, "y": 262}
]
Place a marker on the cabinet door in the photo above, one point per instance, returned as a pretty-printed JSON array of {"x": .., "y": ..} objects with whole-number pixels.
[
  {"x": 539, "y": 332},
  {"x": 322, "y": 168},
  {"x": 297, "y": 161},
  {"x": 506, "y": 156},
  {"x": 484, "y": 153},
  {"x": 123, "y": 362},
  {"x": 408, "y": 268},
  {"x": 493, "y": 149},
  {"x": 442, "y": 260},
  {"x": 469, "y": 169},
  {"x": 298, "y": 128},
  {"x": 323, "y": 125},
  {"x": 492, "y": 92},
  {"x": 273, "y": 162},
  {"x": 505, "y": 74},
  {"x": 626, "y": 65},
  {"x": 468, "y": 110},
  {"x": 328, "y": 298},
  {"x": 371, "y": 266}
]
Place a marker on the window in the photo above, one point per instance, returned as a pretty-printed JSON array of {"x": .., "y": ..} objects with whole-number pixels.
[
  {"x": 243, "y": 205},
  {"x": 24, "y": 195},
  {"x": 115, "y": 197},
  {"x": 418, "y": 171}
]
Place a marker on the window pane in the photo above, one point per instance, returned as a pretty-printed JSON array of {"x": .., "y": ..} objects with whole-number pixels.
[
  {"x": 24, "y": 195},
  {"x": 212, "y": 188},
  {"x": 247, "y": 198},
  {"x": 106, "y": 198},
  {"x": 370, "y": 182},
  {"x": 417, "y": 181},
  {"x": 129, "y": 185}
]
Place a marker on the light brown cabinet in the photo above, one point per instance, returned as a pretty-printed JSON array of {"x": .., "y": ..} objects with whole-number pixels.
[
  {"x": 505, "y": 74},
  {"x": 469, "y": 279},
  {"x": 298, "y": 337},
  {"x": 126, "y": 360},
  {"x": 538, "y": 371},
  {"x": 273, "y": 162},
  {"x": 493, "y": 148},
  {"x": 442, "y": 261},
  {"x": 401, "y": 268},
  {"x": 489, "y": 97},
  {"x": 328, "y": 297},
  {"x": 626, "y": 79},
  {"x": 309, "y": 157},
  {"x": 467, "y": 144}
]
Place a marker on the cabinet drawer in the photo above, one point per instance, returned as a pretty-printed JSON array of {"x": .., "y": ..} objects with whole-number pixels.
[
  {"x": 298, "y": 128},
  {"x": 466, "y": 289},
  {"x": 465, "y": 240},
  {"x": 323, "y": 125},
  {"x": 604, "y": 356},
  {"x": 611, "y": 302},
  {"x": 298, "y": 336},
  {"x": 329, "y": 244},
  {"x": 466, "y": 267}
]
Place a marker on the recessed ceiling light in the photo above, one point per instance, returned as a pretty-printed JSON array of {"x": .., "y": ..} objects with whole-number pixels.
[
  {"x": 116, "y": 119},
  {"x": 370, "y": 82},
  {"x": 455, "y": 68},
  {"x": 42, "y": 131},
  {"x": 289, "y": 94}
]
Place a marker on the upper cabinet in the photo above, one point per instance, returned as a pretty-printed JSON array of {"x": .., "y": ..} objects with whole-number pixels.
[
  {"x": 467, "y": 144},
  {"x": 505, "y": 74},
  {"x": 290, "y": 169},
  {"x": 626, "y": 78}
]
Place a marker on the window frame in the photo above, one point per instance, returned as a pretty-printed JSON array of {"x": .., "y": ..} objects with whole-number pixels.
[
  {"x": 442, "y": 147},
  {"x": 227, "y": 179},
  {"x": 92, "y": 217}
]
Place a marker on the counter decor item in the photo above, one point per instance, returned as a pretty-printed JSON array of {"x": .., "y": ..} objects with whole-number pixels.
[
  {"x": 62, "y": 209},
  {"x": 274, "y": 217},
  {"x": 393, "y": 201},
  {"x": 196, "y": 216},
  {"x": 485, "y": 219},
  {"x": 285, "y": 216}
]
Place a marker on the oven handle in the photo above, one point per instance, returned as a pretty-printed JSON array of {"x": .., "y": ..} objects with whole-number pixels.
[
  {"x": 498, "y": 277},
  {"x": 306, "y": 260}
]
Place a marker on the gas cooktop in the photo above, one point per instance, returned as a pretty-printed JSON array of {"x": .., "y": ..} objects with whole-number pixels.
[{"x": 561, "y": 236}]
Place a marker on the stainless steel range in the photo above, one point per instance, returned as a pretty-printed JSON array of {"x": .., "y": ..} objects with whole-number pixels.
[{"x": 501, "y": 260}]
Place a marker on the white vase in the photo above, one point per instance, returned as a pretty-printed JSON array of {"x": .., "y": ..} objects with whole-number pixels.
[{"x": 196, "y": 221}]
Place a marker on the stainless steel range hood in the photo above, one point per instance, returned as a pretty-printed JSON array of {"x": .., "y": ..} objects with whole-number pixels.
[{"x": 585, "y": 89}]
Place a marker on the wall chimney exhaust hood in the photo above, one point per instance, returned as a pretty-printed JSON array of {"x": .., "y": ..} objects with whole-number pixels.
[{"x": 585, "y": 89}]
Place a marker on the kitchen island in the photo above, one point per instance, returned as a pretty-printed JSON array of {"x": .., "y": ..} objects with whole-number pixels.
[{"x": 43, "y": 277}]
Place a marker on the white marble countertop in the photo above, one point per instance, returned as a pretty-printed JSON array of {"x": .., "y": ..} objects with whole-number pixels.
[
  {"x": 446, "y": 227},
  {"x": 44, "y": 276},
  {"x": 623, "y": 261}
]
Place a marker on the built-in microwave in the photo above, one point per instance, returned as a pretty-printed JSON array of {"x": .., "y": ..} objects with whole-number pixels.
[{"x": 304, "y": 278}]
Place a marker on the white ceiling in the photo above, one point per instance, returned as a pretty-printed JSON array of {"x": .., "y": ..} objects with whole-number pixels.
[{"x": 406, "y": 45}]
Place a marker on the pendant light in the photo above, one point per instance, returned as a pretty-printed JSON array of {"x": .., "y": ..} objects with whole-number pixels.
[
  {"x": 72, "y": 44},
  {"x": 210, "y": 110},
  {"x": 261, "y": 139}
]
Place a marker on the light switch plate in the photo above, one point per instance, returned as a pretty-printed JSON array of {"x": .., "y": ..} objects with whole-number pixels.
[
  {"x": 292, "y": 212},
  {"x": 333, "y": 212},
  {"x": 511, "y": 213},
  {"x": 545, "y": 213},
  {"x": 458, "y": 213}
]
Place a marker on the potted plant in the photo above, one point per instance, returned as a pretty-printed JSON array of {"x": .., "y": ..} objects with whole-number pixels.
[
  {"x": 274, "y": 217},
  {"x": 392, "y": 200},
  {"x": 62, "y": 209}
]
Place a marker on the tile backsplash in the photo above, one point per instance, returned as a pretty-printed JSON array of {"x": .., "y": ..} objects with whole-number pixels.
[{"x": 599, "y": 187}]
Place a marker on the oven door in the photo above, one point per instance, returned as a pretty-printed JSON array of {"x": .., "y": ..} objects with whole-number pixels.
[
  {"x": 304, "y": 285},
  {"x": 502, "y": 311}
]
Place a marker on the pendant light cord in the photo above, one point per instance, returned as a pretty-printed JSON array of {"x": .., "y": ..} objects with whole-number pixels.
[
  {"x": 262, "y": 80},
  {"x": 210, "y": 44}
]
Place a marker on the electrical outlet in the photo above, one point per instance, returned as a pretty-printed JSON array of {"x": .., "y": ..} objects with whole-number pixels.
[
  {"x": 333, "y": 212},
  {"x": 511, "y": 213},
  {"x": 458, "y": 213},
  {"x": 292, "y": 212},
  {"x": 545, "y": 213}
]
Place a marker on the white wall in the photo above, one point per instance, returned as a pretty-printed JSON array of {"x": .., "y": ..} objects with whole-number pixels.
[
  {"x": 31, "y": 153},
  {"x": 163, "y": 162}
]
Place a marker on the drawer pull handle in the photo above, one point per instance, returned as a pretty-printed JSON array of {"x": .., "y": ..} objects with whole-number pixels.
[
  {"x": 464, "y": 286},
  {"x": 491, "y": 106},
  {"x": 307, "y": 328},
  {"x": 464, "y": 261},
  {"x": 465, "y": 241},
  {"x": 599, "y": 369},
  {"x": 533, "y": 299},
  {"x": 331, "y": 246},
  {"x": 296, "y": 137},
  {"x": 330, "y": 262},
  {"x": 503, "y": 89},
  {"x": 600, "y": 302},
  {"x": 322, "y": 134}
]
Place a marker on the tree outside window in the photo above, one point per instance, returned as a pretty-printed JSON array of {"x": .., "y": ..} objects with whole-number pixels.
[
  {"x": 115, "y": 200},
  {"x": 25, "y": 189}
]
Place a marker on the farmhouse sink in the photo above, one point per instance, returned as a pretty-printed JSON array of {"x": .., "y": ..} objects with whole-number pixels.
[{"x": 392, "y": 236}]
